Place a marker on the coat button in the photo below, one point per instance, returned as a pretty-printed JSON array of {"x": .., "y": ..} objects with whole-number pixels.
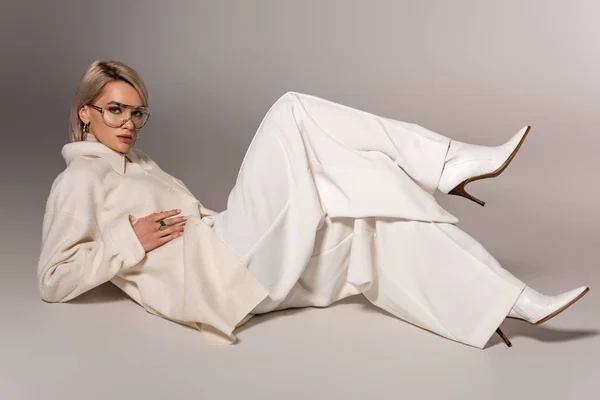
[{"x": 169, "y": 188}]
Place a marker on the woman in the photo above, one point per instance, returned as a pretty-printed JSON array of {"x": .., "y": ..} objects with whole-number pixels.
[{"x": 329, "y": 202}]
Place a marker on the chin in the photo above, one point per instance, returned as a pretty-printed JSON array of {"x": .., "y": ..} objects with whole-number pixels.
[
  {"x": 123, "y": 144},
  {"x": 122, "y": 147}
]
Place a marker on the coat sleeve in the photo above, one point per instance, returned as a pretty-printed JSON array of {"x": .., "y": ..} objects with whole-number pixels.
[{"x": 76, "y": 256}]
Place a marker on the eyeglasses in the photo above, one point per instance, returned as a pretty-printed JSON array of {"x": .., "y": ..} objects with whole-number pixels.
[{"x": 113, "y": 114}]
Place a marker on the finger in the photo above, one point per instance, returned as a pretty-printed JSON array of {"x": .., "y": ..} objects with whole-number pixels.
[
  {"x": 170, "y": 230},
  {"x": 170, "y": 222},
  {"x": 168, "y": 238},
  {"x": 165, "y": 214},
  {"x": 160, "y": 227},
  {"x": 175, "y": 220}
]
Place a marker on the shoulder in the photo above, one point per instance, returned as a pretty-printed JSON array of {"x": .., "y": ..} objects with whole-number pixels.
[
  {"x": 78, "y": 188},
  {"x": 84, "y": 175},
  {"x": 88, "y": 166}
]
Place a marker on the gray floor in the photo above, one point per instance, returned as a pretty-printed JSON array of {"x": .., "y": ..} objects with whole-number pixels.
[{"x": 104, "y": 346}]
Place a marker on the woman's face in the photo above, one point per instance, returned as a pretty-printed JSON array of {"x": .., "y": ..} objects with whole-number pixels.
[{"x": 115, "y": 138}]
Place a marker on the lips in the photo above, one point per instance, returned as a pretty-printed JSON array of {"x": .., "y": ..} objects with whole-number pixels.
[{"x": 126, "y": 139}]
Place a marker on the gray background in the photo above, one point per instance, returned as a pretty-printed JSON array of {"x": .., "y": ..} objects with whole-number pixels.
[{"x": 476, "y": 71}]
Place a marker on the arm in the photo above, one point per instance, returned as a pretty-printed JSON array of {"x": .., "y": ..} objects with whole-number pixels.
[{"x": 76, "y": 257}]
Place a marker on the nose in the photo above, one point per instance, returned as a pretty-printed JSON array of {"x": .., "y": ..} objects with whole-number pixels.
[{"x": 128, "y": 124}]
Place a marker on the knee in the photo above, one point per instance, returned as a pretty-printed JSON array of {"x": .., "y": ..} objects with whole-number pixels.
[
  {"x": 290, "y": 94},
  {"x": 293, "y": 97},
  {"x": 287, "y": 97},
  {"x": 285, "y": 104}
]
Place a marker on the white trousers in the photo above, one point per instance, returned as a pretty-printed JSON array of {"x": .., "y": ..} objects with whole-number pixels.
[{"x": 331, "y": 201}]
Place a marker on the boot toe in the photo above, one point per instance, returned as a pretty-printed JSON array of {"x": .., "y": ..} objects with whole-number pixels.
[{"x": 563, "y": 301}]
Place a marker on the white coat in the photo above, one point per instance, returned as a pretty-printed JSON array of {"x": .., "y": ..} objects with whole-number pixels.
[{"x": 88, "y": 239}]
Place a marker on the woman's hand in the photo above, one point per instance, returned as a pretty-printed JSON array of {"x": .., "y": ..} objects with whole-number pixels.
[{"x": 147, "y": 229}]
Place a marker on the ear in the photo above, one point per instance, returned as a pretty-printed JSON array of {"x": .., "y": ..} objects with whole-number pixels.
[{"x": 84, "y": 114}]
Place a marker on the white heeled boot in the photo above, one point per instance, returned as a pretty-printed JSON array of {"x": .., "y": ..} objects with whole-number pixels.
[
  {"x": 469, "y": 162},
  {"x": 536, "y": 308}
]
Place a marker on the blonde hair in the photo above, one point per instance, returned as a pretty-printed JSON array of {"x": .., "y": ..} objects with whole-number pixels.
[{"x": 98, "y": 74}]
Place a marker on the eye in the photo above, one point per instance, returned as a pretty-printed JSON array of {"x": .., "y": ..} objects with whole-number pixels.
[
  {"x": 138, "y": 113},
  {"x": 114, "y": 110}
]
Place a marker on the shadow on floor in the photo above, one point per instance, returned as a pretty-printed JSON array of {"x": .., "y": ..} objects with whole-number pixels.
[
  {"x": 513, "y": 329},
  {"x": 105, "y": 293}
]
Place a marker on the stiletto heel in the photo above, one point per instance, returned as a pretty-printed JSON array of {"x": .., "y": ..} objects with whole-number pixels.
[
  {"x": 459, "y": 190},
  {"x": 503, "y": 336}
]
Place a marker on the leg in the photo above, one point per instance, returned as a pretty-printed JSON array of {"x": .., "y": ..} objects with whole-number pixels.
[
  {"x": 350, "y": 155},
  {"x": 337, "y": 133},
  {"x": 310, "y": 158},
  {"x": 417, "y": 150},
  {"x": 438, "y": 277},
  {"x": 307, "y": 165},
  {"x": 363, "y": 164},
  {"x": 441, "y": 279}
]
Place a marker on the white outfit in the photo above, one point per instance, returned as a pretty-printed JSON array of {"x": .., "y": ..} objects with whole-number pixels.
[{"x": 332, "y": 201}]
